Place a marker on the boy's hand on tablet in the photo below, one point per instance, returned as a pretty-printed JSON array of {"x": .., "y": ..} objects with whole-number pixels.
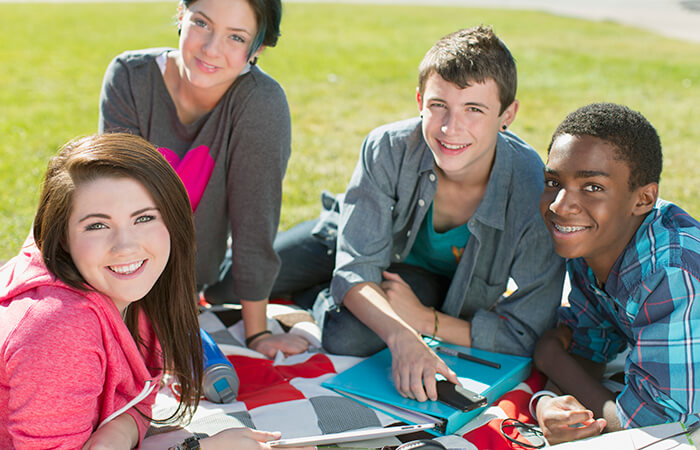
[{"x": 414, "y": 366}]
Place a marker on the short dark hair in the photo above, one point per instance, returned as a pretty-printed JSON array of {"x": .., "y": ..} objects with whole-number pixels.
[
  {"x": 472, "y": 55},
  {"x": 635, "y": 139},
  {"x": 268, "y": 15}
]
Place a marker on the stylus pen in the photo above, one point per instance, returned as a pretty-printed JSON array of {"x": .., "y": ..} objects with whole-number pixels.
[{"x": 458, "y": 354}]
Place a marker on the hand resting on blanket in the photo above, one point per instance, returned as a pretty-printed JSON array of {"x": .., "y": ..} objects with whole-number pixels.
[
  {"x": 254, "y": 316},
  {"x": 289, "y": 344}
]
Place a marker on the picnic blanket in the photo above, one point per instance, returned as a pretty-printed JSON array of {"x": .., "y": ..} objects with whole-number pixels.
[{"x": 285, "y": 394}]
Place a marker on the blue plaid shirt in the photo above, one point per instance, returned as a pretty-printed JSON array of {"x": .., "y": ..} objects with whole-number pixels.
[{"x": 651, "y": 302}]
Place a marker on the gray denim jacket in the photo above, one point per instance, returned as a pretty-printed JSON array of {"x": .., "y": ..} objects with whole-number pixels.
[{"x": 386, "y": 200}]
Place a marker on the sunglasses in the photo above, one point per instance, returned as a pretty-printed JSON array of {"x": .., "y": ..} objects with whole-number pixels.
[{"x": 533, "y": 437}]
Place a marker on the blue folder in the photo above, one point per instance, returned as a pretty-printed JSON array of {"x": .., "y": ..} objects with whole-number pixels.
[{"x": 370, "y": 382}]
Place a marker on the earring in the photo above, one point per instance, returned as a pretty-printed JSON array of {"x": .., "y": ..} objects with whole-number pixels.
[
  {"x": 504, "y": 127},
  {"x": 254, "y": 61},
  {"x": 421, "y": 116}
]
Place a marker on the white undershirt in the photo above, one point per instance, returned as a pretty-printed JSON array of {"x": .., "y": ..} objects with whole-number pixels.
[{"x": 162, "y": 61}]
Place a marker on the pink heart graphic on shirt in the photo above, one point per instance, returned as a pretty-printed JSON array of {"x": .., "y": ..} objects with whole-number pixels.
[{"x": 194, "y": 170}]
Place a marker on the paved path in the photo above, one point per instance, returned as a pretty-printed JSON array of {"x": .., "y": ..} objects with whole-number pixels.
[{"x": 673, "y": 18}]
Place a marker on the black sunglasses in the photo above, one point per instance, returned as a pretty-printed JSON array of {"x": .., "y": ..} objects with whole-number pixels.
[{"x": 533, "y": 434}]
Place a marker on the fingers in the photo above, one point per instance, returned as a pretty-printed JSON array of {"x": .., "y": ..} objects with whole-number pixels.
[
  {"x": 265, "y": 347},
  {"x": 264, "y": 436},
  {"x": 392, "y": 282},
  {"x": 568, "y": 433},
  {"x": 430, "y": 384},
  {"x": 414, "y": 368},
  {"x": 563, "y": 419},
  {"x": 402, "y": 378},
  {"x": 448, "y": 373},
  {"x": 408, "y": 378},
  {"x": 289, "y": 344},
  {"x": 293, "y": 344},
  {"x": 574, "y": 417},
  {"x": 417, "y": 388},
  {"x": 393, "y": 277},
  {"x": 602, "y": 423}
]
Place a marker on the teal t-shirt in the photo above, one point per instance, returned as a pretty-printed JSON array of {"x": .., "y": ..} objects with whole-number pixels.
[{"x": 438, "y": 252}]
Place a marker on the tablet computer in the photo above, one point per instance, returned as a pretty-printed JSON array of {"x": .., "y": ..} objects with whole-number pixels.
[{"x": 350, "y": 436}]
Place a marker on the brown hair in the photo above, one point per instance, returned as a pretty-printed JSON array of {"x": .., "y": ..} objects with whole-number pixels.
[
  {"x": 170, "y": 304},
  {"x": 472, "y": 56}
]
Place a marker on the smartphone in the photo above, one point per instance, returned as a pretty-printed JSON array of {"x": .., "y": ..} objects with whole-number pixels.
[{"x": 459, "y": 397}]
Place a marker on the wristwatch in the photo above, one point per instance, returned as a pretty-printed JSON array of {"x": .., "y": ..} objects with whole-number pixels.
[{"x": 191, "y": 443}]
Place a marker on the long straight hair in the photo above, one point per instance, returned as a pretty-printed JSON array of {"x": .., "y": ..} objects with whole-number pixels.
[{"x": 170, "y": 304}]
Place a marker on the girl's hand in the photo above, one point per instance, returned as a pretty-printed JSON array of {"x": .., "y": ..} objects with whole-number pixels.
[
  {"x": 269, "y": 344},
  {"x": 241, "y": 439}
]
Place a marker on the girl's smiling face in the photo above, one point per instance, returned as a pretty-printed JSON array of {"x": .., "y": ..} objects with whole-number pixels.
[
  {"x": 117, "y": 238},
  {"x": 215, "y": 41}
]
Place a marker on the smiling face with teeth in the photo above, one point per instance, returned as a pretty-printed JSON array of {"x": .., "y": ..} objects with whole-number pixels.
[
  {"x": 461, "y": 125},
  {"x": 215, "y": 39},
  {"x": 117, "y": 238},
  {"x": 587, "y": 203}
]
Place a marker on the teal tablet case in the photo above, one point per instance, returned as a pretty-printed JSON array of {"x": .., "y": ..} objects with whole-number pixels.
[{"x": 370, "y": 382}]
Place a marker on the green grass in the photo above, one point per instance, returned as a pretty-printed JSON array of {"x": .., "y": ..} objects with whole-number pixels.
[{"x": 346, "y": 70}]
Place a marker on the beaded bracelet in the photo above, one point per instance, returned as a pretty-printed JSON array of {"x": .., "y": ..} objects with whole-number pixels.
[{"x": 250, "y": 339}]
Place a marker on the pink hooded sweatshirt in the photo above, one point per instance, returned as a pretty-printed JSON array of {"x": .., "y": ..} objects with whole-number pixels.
[{"x": 67, "y": 360}]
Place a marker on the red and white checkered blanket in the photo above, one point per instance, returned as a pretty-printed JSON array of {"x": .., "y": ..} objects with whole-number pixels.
[{"x": 286, "y": 395}]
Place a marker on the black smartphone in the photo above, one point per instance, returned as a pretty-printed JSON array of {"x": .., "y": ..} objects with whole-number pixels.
[{"x": 458, "y": 397}]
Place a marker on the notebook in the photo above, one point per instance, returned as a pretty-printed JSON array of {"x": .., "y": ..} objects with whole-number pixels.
[{"x": 370, "y": 382}]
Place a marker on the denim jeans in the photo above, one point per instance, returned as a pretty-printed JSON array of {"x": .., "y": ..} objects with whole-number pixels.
[
  {"x": 306, "y": 268},
  {"x": 305, "y": 273},
  {"x": 345, "y": 334}
]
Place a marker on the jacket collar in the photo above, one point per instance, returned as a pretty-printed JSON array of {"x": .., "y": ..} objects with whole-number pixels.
[{"x": 492, "y": 208}]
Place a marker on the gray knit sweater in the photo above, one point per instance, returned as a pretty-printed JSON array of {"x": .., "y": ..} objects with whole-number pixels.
[{"x": 248, "y": 138}]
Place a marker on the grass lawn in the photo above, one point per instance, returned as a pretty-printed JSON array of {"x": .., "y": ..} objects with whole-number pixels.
[{"x": 346, "y": 70}]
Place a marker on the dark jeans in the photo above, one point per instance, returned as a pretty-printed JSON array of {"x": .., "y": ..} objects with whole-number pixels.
[
  {"x": 345, "y": 334},
  {"x": 305, "y": 273},
  {"x": 306, "y": 268}
]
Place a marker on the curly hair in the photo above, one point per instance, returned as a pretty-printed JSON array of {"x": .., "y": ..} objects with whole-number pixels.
[
  {"x": 634, "y": 138},
  {"x": 472, "y": 55}
]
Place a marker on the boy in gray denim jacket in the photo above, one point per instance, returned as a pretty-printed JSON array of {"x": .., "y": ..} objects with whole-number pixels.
[{"x": 439, "y": 232}]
